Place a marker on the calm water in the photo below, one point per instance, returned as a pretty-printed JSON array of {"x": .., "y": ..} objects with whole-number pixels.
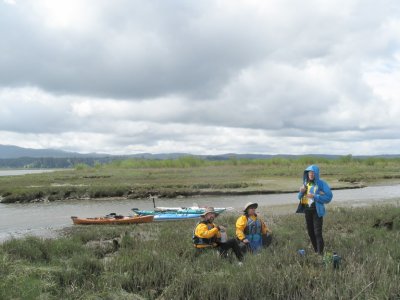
[
  {"x": 26, "y": 171},
  {"x": 17, "y": 220}
]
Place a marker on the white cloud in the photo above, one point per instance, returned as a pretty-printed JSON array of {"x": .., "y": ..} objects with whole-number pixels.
[
  {"x": 64, "y": 15},
  {"x": 203, "y": 77}
]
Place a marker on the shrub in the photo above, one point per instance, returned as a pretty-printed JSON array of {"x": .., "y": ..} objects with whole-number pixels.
[{"x": 31, "y": 248}]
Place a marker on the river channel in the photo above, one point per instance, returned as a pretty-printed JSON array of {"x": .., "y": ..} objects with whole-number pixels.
[
  {"x": 13, "y": 172},
  {"x": 43, "y": 219}
]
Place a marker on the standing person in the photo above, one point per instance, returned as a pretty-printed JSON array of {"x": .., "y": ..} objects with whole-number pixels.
[
  {"x": 251, "y": 230},
  {"x": 208, "y": 236},
  {"x": 314, "y": 193}
]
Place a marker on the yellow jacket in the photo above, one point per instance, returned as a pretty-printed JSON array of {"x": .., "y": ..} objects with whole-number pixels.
[
  {"x": 206, "y": 231},
  {"x": 241, "y": 224}
]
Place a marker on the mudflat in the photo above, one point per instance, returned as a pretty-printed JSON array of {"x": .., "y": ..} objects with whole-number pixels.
[{"x": 133, "y": 179}]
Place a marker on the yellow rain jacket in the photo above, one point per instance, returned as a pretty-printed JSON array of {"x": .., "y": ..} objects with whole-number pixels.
[
  {"x": 206, "y": 235},
  {"x": 241, "y": 224}
]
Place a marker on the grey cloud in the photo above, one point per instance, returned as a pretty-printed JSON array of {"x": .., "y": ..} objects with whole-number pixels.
[
  {"x": 156, "y": 73},
  {"x": 155, "y": 51},
  {"x": 148, "y": 49},
  {"x": 34, "y": 112}
]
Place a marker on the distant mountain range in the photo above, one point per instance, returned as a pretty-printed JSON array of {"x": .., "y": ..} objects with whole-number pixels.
[
  {"x": 9, "y": 151},
  {"x": 15, "y": 152}
]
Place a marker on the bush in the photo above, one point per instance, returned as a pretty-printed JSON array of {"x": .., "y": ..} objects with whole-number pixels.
[{"x": 32, "y": 249}]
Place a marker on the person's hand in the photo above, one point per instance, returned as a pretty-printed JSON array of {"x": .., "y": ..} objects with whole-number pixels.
[
  {"x": 302, "y": 189},
  {"x": 222, "y": 228},
  {"x": 246, "y": 241},
  {"x": 310, "y": 196}
]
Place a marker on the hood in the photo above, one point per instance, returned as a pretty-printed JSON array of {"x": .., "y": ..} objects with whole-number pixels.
[{"x": 313, "y": 168}]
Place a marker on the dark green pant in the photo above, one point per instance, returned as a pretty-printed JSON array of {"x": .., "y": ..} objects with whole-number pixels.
[{"x": 223, "y": 249}]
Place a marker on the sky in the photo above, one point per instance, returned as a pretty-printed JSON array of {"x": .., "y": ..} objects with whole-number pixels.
[{"x": 201, "y": 77}]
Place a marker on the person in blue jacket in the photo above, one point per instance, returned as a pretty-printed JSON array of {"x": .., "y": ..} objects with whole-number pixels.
[{"x": 314, "y": 193}]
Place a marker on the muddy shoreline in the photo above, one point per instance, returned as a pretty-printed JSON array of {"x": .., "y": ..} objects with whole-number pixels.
[
  {"x": 47, "y": 217},
  {"x": 42, "y": 196}
]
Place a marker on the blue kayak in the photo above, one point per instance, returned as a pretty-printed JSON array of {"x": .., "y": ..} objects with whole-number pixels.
[
  {"x": 175, "y": 210},
  {"x": 175, "y": 216}
]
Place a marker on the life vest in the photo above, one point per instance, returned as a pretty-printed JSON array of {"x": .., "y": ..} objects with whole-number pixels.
[
  {"x": 203, "y": 241},
  {"x": 311, "y": 189},
  {"x": 253, "y": 232}
]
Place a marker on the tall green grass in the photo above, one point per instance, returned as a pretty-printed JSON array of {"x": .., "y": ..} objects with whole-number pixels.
[
  {"x": 157, "y": 261},
  {"x": 193, "y": 161}
]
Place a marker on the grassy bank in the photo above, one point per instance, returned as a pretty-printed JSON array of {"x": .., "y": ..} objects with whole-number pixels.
[
  {"x": 191, "y": 176},
  {"x": 156, "y": 261}
]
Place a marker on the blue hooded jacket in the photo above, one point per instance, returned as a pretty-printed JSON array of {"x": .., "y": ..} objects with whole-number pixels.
[{"x": 323, "y": 193}]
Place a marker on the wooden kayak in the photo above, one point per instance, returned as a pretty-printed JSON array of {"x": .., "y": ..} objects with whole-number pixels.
[{"x": 112, "y": 220}]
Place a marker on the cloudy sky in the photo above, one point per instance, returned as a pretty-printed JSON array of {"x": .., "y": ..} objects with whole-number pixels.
[{"x": 203, "y": 77}]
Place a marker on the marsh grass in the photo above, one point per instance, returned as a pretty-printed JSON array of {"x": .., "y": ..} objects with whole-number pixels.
[
  {"x": 188, "y": 176},
  {"x": 157, "y": 261}
]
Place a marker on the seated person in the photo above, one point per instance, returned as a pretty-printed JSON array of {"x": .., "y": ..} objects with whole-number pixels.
[
  {"x": 251, "y": 230},
  {"x": 208, "y": 236}
]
